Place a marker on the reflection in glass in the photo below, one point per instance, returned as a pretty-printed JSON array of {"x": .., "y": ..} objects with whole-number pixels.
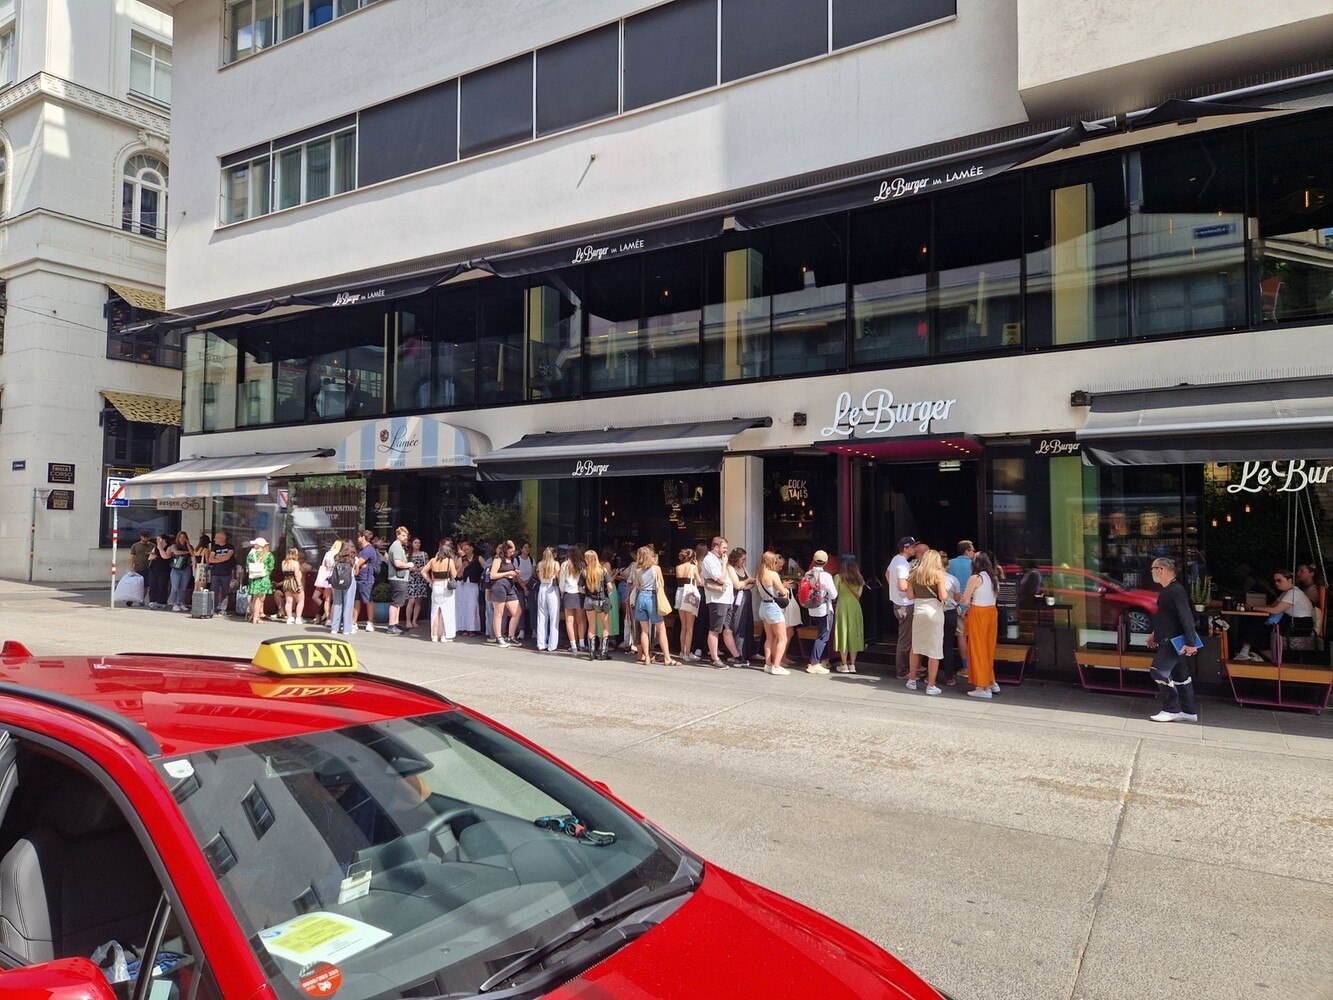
[
  {"x": 455, "y": 381},
  {"x": 889, "y": 264},
  {"x": 220, "y": 363},
  {"x": 192, "y": 377},
  {"x": 254, "y": 400},
  {"x": 806, "y": 274},
  {"x": 736, "y": 315},
  {"x": 1294, "y": 162},
  {"x": 293, "y": 346},
  {"x": 552, "y": 320},
  {"x": 410, "y": 331},
  {"x": 614, "y": 304},
  {"x": 977, "y": 257},
  {"x": 1187, "y": 234},
  {"x": 1075, "y": 245},
  {"x": 673, "y": 308},
  {"x": 500, "y": 315}
]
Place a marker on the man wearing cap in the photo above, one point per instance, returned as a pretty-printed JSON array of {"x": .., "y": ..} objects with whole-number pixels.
[
  {"x": 821, "y": 614},
  {"x": 900, "y": 593}
]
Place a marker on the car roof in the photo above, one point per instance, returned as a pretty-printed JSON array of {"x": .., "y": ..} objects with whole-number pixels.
[{"x": 190, "y": 703}]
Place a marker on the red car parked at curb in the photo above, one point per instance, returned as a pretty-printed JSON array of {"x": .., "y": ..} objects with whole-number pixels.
[{"x": 205, "y": 828}]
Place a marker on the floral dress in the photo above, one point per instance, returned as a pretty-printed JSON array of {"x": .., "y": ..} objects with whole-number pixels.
[
  {"x": 263, "y": 584},
  {"x": 416, "y": 583}
]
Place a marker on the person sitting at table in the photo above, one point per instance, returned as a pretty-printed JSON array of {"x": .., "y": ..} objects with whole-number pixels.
[
  {"x": 1295, "y": 608},
  {"x": 1307, "y": 578}
]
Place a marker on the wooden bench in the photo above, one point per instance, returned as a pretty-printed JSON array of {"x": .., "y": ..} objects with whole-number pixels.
[
  {"x": 1317, "y": 682},
  {"x": 1126, "y": 665},
  {"x": 1011, "y": 653}
]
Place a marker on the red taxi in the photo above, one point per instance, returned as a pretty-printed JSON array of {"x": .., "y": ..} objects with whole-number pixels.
[{"x": 196, "y": 828}]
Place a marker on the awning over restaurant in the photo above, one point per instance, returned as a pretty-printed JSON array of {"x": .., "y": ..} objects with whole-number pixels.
[
  {"x": 144, "y": 409},
  {"x": 410, "y": 443},
  {"x": 231, "y": 476},
  {"x": 659, "y": 450},
  {"x": 1227, "y": 422},
  {"x": 137, "y": 297}
]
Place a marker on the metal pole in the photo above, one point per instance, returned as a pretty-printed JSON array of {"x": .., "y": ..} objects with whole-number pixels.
[
  {"x": 32, "y": 534},
  {"x": 115, "y": 539}
]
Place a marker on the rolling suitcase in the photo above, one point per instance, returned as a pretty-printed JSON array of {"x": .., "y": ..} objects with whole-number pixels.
[{"x": 201, "y": 604}]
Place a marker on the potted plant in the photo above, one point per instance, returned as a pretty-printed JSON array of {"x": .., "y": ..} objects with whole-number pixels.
[
  {"x": 1201, "y": 592},
  {"x": 380, "y": 595}
]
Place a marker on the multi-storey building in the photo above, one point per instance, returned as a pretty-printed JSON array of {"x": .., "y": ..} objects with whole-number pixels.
[
  {"x": 85, "y": 92},
  {"x": 818, "y": 273}
]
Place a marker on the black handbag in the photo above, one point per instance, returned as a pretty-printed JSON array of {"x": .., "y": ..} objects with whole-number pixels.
[{"x": 777, "y": 599}]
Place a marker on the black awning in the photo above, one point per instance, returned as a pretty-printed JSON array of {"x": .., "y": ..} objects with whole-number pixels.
[
  {"x": 1228, "y": 422},
  {"x": 600, "y": 246},
  {"x": 659, "y": 450}
]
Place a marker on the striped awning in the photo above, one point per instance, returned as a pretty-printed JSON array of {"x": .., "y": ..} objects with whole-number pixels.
[
  {"x": 410, "y": 443},
  {"x": 231, "y": 476},
  {"x": 137, "y": 297},
  {"x": 145, "y": 409}
]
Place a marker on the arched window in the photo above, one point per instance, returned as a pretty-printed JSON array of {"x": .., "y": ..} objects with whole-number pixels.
[
  {"x": 143, "y": 199},
  {"x": 4, "y": 179}
]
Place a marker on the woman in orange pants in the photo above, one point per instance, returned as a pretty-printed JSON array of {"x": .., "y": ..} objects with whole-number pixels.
[{"x": 982, "y": 624}]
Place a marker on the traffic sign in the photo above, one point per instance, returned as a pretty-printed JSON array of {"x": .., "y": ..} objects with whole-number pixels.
[{"x": 115, "y": 492}]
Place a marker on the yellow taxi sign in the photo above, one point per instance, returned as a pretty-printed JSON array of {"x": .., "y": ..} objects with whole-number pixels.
[{"x": 306, "y": 656}]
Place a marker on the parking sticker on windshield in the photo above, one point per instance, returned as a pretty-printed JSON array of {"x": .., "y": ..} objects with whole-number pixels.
[
  {"x": 320, "y": 937},
  {"x": 322, "y": 980}
]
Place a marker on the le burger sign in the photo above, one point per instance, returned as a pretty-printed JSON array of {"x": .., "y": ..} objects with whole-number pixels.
[{"x": 877, "y": 412}]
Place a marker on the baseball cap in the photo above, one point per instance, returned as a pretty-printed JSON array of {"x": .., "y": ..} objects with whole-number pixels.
[
  {"x": 820, "y": 558},
  {"x": 261, "y": 540},
  {"x": 905, "y": 541}
]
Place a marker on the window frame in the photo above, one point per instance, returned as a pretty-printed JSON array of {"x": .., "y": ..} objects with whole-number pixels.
[
  {"x": 135, "y": 185},
  {"x": 9, "y": 52},
  {"x": 338, "y": 10},
  {"x": 275, "y": 160},
  {"x": 155, "y": 60}
]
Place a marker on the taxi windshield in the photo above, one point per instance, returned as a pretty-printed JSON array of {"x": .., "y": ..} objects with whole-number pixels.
[{"x": 412, "y": 857}]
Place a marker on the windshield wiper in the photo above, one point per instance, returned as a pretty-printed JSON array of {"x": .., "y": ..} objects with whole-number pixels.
[{"x": 641, "y": 898}]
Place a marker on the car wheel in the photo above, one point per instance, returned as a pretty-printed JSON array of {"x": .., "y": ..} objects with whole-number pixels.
[{"x": 1139, "y": 622}]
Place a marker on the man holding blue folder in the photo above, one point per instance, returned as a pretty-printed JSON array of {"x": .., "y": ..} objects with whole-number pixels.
[{"x": 1175, "y": 640}]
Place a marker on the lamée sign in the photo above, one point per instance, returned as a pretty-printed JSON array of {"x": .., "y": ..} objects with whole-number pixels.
[
  {"x": 903, "y": 187},
  {"x": 398, "y": 442},
  {"x": 590, "y": 254},
  {"x": 1289, "y": 477},
  {"x": 879, "y": 413}
]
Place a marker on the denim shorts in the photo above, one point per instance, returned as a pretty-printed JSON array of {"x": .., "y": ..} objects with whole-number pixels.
[
  {"x": 770, "y": 613},
  {"x": 645, "y": 607}
]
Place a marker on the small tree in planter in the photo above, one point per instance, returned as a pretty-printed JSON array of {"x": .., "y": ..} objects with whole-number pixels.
[
  {"x": 489, "y": 522},
  {"x": 380, "y": 595},
  {"x": 1201, "y": 592}
]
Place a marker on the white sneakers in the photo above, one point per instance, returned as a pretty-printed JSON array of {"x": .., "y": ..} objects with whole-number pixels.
[
  {"x": 911, "y": 685},
  {"x": 780, "y": 671},
  {"x": 814, "y": 668},
  {"x": 370, "y": 627},
  {"x": 435, "y": 638},
  {"x": 1246, "y": 656},
  {"x": 1174, "y": 717},
  {"x": 933, "y": 690},
  {"x": 980, "y": 693},
  {"x": 995, "y": 687}
]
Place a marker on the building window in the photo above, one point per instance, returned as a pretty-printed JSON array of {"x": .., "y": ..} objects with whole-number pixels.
[
  {"x": 150, "y": 68},
  {"x": 978, "y": 264},
  {"x": 553, "y": 318},
  {"x": 805, "y": 271},
  {"x": 759, "y": 35},
  {"x": 862, "y": 20},
  {"x": 8, "y": 55},
  {"x": 131, "y": 448},
  {"x": 249, "y": 28},
  {"x": 500, "y": 315},
  {"x": 316, "y": 169},
  {"x": 455, "y": 379},
  {"x": 143, "y": 207},
  {"x": 578, "y": 80},
  {"x": 890, "y": 275},
  {"x": 736, "y": 312},
  {"x": 4, "y": 180},
  {"x": 669, "y": 51},
  {"x": 495, "y": 106},
  {"x": 143, "y": 347},
  {"x": 247, "y": 189}
]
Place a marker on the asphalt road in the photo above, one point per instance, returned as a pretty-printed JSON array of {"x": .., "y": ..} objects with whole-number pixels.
[{"x": 1049, "y": 844}]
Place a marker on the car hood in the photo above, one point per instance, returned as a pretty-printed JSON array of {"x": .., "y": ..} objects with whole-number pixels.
[{"x": 734, "y": 939}]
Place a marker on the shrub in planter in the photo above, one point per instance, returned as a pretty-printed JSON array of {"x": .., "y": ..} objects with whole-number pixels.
[{"x": 380, "y": 594}]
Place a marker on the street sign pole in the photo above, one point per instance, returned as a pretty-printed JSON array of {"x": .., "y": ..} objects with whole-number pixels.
[
  {"x": 115, "y": 499},
  {"x": 115, "y": 540}
]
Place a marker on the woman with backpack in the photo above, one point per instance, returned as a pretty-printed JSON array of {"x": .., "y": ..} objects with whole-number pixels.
[
  {"x": 342, "y": 588},
  {"x": 773, "y": 598},
  {"x": 441, "y": 575}
]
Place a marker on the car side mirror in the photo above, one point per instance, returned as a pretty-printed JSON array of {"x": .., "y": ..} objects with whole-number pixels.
[{"x": 63, "y": 979}]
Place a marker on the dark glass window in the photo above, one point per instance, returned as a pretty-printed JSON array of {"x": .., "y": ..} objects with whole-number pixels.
[
  {"x": 130, "y": 448},
  {"x": 1187, "y": 234},
  {"x": 254, "y": 400},
  {"x": 296, "y": 385},
  {"x": 669, "y": 51},
  {"x": 673, "y": 309},
  {"x": 806, "y": 274},
  {"x": 142, "y": 347},
  {"x": 1294, "y": 161},
  {"x": 890, "y": 264},
  {"x": 554, "y": 325},
  {"x": 495, "y": 106},
  {"x": 737, "y": 320},
  {"x": 578, "y": 80},
  {"x": 455, "y": 382},
  {"x": 1075, "y": 244},
  {"x": 348, "y": 371},
  {"x": 760, "y": 34},
  {"x": 410, "y": 332},
  {"x": 411, "y": 133},
  {"x": 614, "y": 301},
  {"x": 978, "y": 251},
  {"x": 861, "y": 20},
  {"x": 500, "y": 315}
]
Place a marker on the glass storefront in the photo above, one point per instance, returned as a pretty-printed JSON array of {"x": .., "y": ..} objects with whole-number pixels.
[
  {"x": 800, "y": 506},
  {"x": 670, "y": 513}
]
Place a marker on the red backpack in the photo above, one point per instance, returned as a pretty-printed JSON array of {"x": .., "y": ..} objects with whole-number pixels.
[{"x": 810, "y": 592}]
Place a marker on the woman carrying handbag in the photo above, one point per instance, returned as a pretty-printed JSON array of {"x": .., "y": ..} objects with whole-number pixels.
[
  {"x": 651, "y": 605},
  {"x": 689, "y": 599},
  {"x": 774, "y": 597}
]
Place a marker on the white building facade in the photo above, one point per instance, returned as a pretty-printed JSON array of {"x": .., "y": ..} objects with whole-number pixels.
[
  {"x": 814, "y": 274},
  {"x": 84, "y": 129}
]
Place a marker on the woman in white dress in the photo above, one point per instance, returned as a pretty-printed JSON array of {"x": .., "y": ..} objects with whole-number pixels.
[
  {"x": 929, "y": 592},
  {"x": 440, "y": 572},
  {"x": 323, "y": 587},
  {"x": 467, "y": 598}
]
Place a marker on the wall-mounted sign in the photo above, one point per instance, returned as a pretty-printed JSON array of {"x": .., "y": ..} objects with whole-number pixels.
[
  {"x": 794, "y": 491},
  {"x": 586, "y": 467},
  {"x": 60, "y": 500},
  {"x": 1288, "y": 477},
  {"x": 1056, "y": 445},
  {"x": 18, "y": 466},
  {"x": 59, "y": 472},
  {"x": 180, "y": 503},
  {"x": 878, "y": 413}
]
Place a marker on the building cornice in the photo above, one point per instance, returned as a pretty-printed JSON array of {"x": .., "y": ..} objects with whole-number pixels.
[{"x": 39, "y": 85}]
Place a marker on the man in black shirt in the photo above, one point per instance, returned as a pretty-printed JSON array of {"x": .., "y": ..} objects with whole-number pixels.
[
  {"x": 1170, "y": 668},
  {"x": 221, "y": 565}
]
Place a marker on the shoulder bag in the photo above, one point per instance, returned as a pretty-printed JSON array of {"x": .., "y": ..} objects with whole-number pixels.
[{"x": 663, "y": 605}]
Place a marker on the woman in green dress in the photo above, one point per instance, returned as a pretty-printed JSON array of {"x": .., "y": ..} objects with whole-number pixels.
[
  {"x": 849, "y": 626},
  {"x": 258, "y": 575}
]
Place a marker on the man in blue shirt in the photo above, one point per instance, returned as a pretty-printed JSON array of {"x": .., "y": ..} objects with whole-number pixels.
[
  {"x": 367, "y": 562},
  {"x": 960, "y": 568}
]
